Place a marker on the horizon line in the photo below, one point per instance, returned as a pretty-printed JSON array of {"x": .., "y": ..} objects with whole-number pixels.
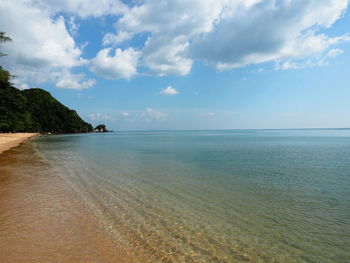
[{"x": 243, "y": 129}]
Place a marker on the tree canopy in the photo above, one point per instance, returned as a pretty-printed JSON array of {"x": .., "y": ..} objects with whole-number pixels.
[
  {"x": 101, "y": 128},
  {"x": 35, "y": 110},
  {"x": 4, "y": 38}
]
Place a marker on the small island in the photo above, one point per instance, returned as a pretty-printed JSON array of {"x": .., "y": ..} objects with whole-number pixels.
[{"x": 101, "y": 128}]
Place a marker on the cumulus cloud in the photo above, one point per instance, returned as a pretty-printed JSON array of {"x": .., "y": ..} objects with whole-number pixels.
[
  {"x": 229, "y": 33},
  {"x": 171, "y": 24},
  {"x": 269, "y": 31},
  {"x": 84, "y": 8},
  {"x": 169, "y": 91},
  {"x": 166, "y": 58},
  {"x": 226, "y": 34},
  {"x": 38, "y": 40},
  {"x": 42, "y": 46},
  {"x": 67, "y": 80},
  {"x": 115, "y": 39},
  {"x": 121, "y": 64}
]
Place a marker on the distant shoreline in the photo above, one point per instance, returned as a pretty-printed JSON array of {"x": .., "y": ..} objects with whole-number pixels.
[{"x": 10, "y": 140}]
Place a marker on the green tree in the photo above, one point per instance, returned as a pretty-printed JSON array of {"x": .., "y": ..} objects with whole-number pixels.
[
  {"x": 4, "y": 74},
  {"x": 101, "y": 128},
  {"x": 4, "y": 77},
  {"x": 4, "y": 38}
]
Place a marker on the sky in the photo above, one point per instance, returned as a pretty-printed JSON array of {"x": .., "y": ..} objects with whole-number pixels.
[{"x": 186, "y": 64}]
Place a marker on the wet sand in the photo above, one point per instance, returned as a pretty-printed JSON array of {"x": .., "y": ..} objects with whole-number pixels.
[
  {"x": 10, "y": 140},
  {"x": 43, "y": 220}
]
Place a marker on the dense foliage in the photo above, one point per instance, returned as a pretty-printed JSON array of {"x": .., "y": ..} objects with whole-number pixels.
[
  {"x": 35, "y": 110},
  {"x": 101, "y": 128},
  {"x": 4, "y": 38}
]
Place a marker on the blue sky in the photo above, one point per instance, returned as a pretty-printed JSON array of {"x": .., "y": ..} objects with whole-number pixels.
[{"x": 223, "y": 64}]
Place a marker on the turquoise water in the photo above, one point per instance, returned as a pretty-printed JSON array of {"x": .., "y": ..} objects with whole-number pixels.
[{"x": 214, "y": 196}]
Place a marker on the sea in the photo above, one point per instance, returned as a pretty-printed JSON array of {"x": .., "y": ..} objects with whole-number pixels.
[{"x": 211, "y": 196}]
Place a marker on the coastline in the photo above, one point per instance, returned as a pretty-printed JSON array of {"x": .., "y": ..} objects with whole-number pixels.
[{"x": 10, "y": 140}]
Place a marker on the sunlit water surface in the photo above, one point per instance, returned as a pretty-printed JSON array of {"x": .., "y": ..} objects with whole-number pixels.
[{"x": 214, "y": 196}]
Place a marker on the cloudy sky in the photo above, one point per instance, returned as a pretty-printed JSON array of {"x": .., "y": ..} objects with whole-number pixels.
[{"x": 186, "y": 64}]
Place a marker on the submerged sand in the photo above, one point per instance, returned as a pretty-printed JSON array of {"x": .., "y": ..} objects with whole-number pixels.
[
  {"x": 10, "y": 140},
  {"x": 41, "y": 218}
]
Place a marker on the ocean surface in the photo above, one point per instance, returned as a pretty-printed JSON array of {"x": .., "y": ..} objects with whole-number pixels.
[{"x": 213, "y": 196}]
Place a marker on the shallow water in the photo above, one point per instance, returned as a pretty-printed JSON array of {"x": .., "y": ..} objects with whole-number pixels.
[
  {"x": 213, "y": 196},
  {"x": 42, "y": 220}
]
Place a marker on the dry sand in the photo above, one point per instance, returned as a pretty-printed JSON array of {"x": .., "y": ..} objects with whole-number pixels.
[{"x": 10, "y": 140}]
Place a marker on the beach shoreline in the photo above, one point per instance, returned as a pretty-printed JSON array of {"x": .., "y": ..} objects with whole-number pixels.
[{"x": 10, "y": 140}]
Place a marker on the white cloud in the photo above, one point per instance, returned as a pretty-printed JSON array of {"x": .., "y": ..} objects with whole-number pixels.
[
  {"x": 20, "y": 85},
  {"x": 229, "y": 33},
  {"x": 226, "y": 34},
  {"x": 101, "y": 117},
  {"x": 84, "y": 8},
  {"x": 126, "y": 114},
  {"x": 166, "y": 58},
  {"x": 316, "y": 62},
  {"x": 73, "y": 27},
  {"x": 171, "y": 24},
  {"x": 38, "y": 40},
  {"x": 269, "y": 31},
  {"x": 169, "y": 91},
  {"x": 67, "y": 80},
  {"x": 285, "y": 65},
  {"x": 152, "y": 114},
  {"x": 122, "y": 64},
  {"x": 333, "y": 53},
  {"x": 115, "y": 39},
  {"x": 42, "y": 46}
]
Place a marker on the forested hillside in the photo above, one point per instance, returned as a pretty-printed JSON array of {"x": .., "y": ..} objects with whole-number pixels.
[{"x": 35, "y": 110}]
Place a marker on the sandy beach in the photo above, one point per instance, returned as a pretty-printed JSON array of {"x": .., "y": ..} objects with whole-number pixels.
[{"x": 10, "y": 140}]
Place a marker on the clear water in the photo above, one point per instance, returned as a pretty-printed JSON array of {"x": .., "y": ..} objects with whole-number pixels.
[{"x": 214, "y": 196}]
